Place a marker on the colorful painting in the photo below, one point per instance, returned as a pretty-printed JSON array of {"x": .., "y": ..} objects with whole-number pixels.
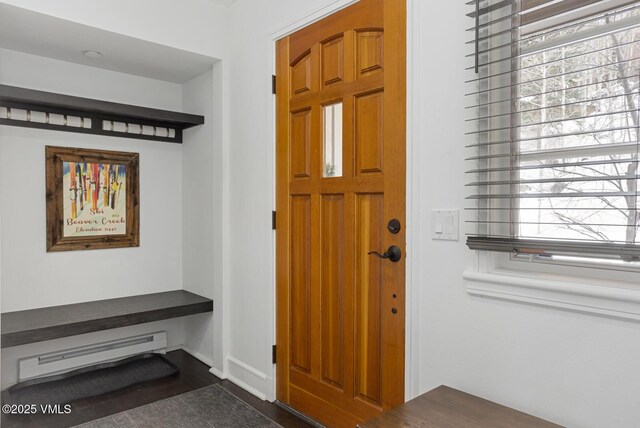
[
  {"x": 97, "y": 202},
  {"x": 93, "y": 199}
]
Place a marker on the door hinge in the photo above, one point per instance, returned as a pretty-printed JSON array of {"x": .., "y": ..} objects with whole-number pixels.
[
  {"x": 273, "y": 354},
  {"x": 273, "y": 220},
  {"x": 273, "y": 84}
]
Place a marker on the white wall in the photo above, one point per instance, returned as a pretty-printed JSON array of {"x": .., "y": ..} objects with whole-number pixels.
[
  {"x": 202, "y": 213},
  {"x": 33, "y": 278},
  {"x": 30, "y": 277},
  {"x": 571, "y": 368},
  {"x": 575, "y": 369}
]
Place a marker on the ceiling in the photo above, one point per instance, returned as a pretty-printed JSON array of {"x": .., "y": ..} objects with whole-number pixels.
[
  {"x": 223, "y": 2},
  {"x": 39, "y": 34}
]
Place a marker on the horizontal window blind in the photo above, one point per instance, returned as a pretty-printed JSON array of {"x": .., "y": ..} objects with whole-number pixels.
[{"x": 553, "y": 126}]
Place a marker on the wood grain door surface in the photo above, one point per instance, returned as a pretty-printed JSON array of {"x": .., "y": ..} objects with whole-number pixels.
[{"x": 340, "y": 311}]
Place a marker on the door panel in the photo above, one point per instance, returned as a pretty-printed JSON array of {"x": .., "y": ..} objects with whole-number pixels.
[
  {"x": 332, "y": 308},
  {"x": 369, "y": 136},
  {"x": 333, "y": 60},
  {"x": 340, "y": 155},
  {"x": 301, "y": 149},
  {"x": 301, "y": 283},
  {"x": 369, "y": 225},
  {"x": 301, "y": 74},
  {"x": 370, "y": 52}
]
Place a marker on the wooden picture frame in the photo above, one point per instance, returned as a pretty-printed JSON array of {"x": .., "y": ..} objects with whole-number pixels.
[{"x": 102, "y": 192}]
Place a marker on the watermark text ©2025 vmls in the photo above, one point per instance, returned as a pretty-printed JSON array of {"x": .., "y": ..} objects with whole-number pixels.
[{"x": 32, "y": 409}]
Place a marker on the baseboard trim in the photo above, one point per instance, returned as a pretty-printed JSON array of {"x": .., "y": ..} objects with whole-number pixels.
[
  {"x": 208, "y": 361},
  {"x": 214, "y": 371},
  {"x": 247, "y": 368},
  {"x": 249, "y": 378},
  {"x": 240, "y": 373},
  {"x": 174, "y": 348},
  {"x": 198, "y": 356},
  {"x": 247, "y": 387}
]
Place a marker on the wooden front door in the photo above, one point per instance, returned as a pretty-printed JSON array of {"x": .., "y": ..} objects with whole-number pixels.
[{"x": 340, "y": 107}]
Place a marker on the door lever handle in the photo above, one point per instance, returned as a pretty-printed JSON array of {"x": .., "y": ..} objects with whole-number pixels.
[{"x": 393, "y": 253}]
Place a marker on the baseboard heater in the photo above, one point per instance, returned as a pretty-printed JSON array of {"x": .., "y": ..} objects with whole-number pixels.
[{"x": 84, "y": 356}]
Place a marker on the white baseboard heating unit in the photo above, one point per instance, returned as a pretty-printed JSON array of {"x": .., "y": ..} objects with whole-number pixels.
[{"x": 83, "y": 356}]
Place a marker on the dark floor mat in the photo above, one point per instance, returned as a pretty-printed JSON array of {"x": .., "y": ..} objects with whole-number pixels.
[
  {"x": 212, "y": 406},
  {"x": 90, "y": 381}
]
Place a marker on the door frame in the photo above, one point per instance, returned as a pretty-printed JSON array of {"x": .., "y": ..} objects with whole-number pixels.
[{"x": 412, "y": 270}]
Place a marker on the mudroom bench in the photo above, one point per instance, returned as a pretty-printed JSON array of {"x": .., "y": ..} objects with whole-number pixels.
[{"x": 54, "y": 322}]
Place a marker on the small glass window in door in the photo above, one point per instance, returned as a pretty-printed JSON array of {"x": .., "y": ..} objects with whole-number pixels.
[{"x": 332, "y": 140}]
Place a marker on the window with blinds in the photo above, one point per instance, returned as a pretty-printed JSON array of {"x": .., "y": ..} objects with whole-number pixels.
[{"x": 553, "y": 128}]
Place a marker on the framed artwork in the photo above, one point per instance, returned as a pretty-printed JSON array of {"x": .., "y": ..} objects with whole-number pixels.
[{"x": 93, "y": 199}]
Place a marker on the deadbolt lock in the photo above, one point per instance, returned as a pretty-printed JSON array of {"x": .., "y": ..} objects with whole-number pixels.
[{"x": 394, "y": 226}]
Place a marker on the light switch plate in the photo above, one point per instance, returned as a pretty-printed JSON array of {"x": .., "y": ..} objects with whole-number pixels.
[{"x": 445, "y": 225}]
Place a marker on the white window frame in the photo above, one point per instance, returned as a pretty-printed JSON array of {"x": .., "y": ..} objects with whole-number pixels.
[
  {"x": 591, "y": 287},
  {"x": 586, "y": 290}
]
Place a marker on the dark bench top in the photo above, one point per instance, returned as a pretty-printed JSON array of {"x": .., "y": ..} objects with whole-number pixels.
[
  {"x": 447, "y": 407},
  {"x": 36, "y": 325}
]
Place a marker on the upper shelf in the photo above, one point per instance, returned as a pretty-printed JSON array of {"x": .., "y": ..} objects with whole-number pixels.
[{"x": 48, "y": 110}]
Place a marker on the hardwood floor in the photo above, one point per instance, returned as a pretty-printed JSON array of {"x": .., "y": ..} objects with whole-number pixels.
[
  {"x": 193, "y": 375},
  {"x": 448, "y": 407}
]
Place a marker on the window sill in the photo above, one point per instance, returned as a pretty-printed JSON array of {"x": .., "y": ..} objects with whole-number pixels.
[{"x": 615, "y": 299}]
